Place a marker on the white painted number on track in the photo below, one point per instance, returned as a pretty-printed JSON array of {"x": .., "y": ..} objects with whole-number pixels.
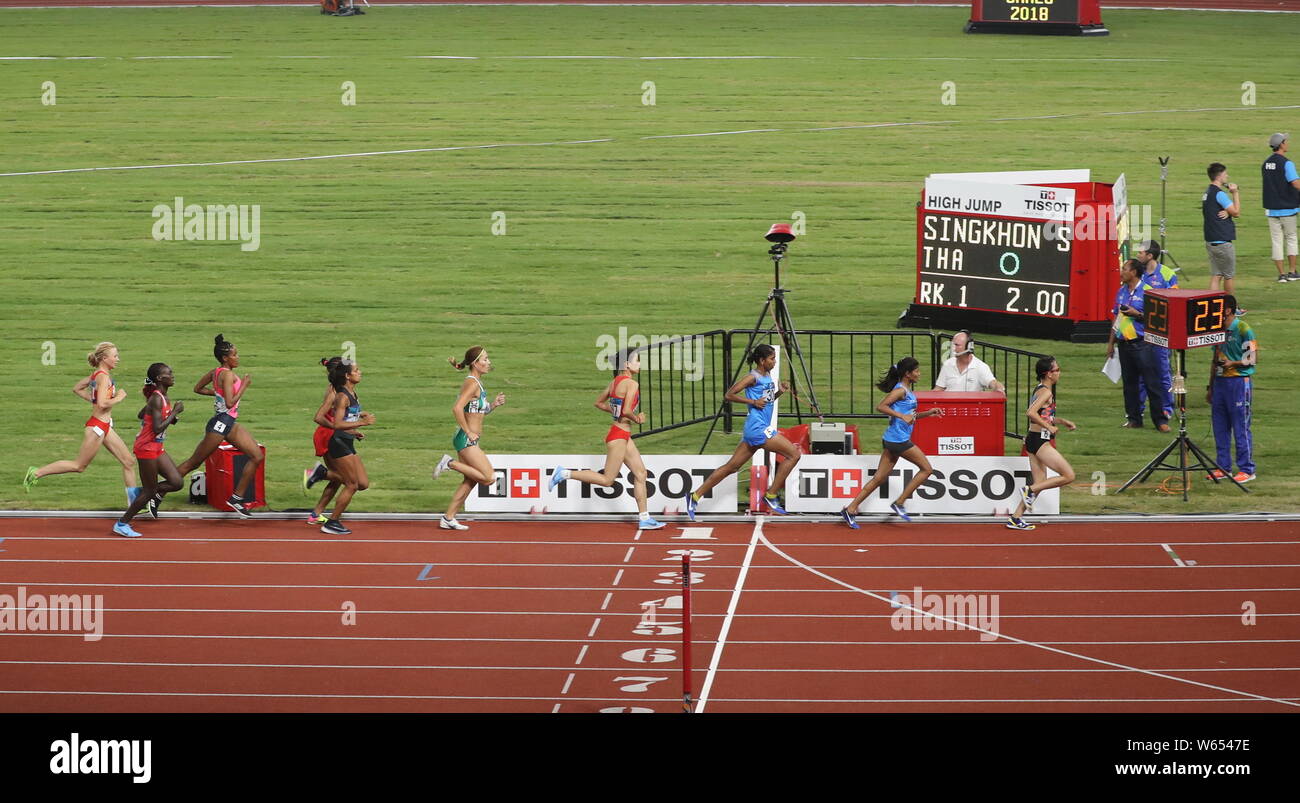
[
  {"x": 693, "y": 554},
  {"x": 675, "y": 578},
  {"x": 650, "y": 655},
  {"x": 696, "y": 533},
  {"x": 630, "y": 710},
  {"x": 639, "y": 684}
]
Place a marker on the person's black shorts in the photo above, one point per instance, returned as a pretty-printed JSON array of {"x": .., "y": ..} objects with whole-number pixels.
[
  {"x": 1034, "y": 441},
  {"x": 341, "y": 446},
  {"x": 221, "y": 424},
  {"x": 897, "y": 447}
]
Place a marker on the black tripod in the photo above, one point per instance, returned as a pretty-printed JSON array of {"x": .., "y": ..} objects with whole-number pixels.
[
  {"x": 1164, "y": 180},
  {"x": 1182, "y": 443},
  {"x": 783, "y": 325}
]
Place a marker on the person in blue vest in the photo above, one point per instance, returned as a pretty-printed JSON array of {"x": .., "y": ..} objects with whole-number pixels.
[
  {"x": 1230, "y": 392},
  {"x": 1160, "y": 277},
  {"x": 1282, "y": 204},
  {"x": 1220, "y": 203},
  {"x": 1136, "y": 357}
]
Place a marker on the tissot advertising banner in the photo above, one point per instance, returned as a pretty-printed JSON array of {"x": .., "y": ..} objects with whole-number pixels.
[
  {"x": 999, "y": 200},
  {"x": 826, "y": 483},
  {"x": 522, "y": 480}
]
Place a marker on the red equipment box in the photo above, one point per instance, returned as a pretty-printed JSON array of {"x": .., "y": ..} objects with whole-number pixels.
[
  {"x": 1185, "y": 319},
  {"x": 971, "y": 424},
  {"x": 224, "y": 467}
]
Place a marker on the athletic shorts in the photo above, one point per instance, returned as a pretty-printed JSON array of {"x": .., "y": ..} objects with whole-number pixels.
[
  {"x": 342, "y": 446},
  {"x": 461, "y": 441},
  {"x": 1223, "y": 260},
  {"x": 100, "y": 426},
  {"x": 148, "y": 451},
  {"x": 617, "y": 433},
  {"x": 1033, "y": 442},
  {"x": 758, "y": 437},
  {"x": 897, "y": 447},
  {"x": 321, "y": 440},
  {"x": 221, "y": 424}
]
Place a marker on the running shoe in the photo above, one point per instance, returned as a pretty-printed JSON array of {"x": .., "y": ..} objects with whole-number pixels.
[
  {"x": 650, "y": 524},
  {"x": 451, "y": 524},
  {"x": 1282, "y": 278},
  {"x": 1293, "y": 277},
  {"x": 333, "y": 527},
  {"x": 1242, "y": 476},
  {"x": 240, "y": 505},
  {"x": 898, "y": 509},
  {"x": 1014, "y": 523},
  {"x": 442, "y": 466},
  {"x": 152, "y": 505},
  {"x": 849, "y": 519},
  {"x": 123, "y": 529},
  {"x": 29, "y": 479},
  {"x": 317, "y": 519},
  {"x": 774, "y": 505},
  {"x": 311, "y": 476},
  {"x": 557, "y": 476},
  {"x": 1217, "y": 474},
  {"x": 1028, "y": 498},
  {"x": 691, "y": 504}
]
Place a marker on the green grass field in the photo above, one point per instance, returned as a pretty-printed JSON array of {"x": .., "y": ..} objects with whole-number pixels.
[{"x": 395, "y": 253}]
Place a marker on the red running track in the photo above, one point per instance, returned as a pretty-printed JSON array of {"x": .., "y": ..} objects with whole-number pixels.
[
  {"x": 1242, "y": 5},
  {"x": 205, "y": 615}
]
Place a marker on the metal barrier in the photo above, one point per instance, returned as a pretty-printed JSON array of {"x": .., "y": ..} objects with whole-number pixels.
[{"x": 683, "y": 379}]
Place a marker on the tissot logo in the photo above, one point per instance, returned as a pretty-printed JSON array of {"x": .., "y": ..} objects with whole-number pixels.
[
  {"x": 497, "y": 490},
  {"x": 813, "y": 482},
  {"x": 836, "y": 483},
  {"x": 845, "y": 482},
  {"x": 526, "y": 483},
  {"x": 1047, "y": 195}
]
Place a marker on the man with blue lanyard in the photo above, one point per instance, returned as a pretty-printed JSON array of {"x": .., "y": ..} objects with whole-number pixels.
[
  {"x": 1232, "y": 372},
  {"x": 1282, "y": 204},
  {"x": 1159, "y": 277},
  {"x": 1217, "y": 212},
  {"x": 1137, "y": 359}
]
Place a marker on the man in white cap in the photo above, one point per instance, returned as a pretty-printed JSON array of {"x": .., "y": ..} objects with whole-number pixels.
[{"x": 1281, "y": 187}]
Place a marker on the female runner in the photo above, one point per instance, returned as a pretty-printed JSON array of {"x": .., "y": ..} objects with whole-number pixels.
[
  {"x": 155, "y": 417},
  {"x": 900, "y": 404},
  {"x": 1041, "y": 442},
  {"x": 324, "y": 470},
  {"x": 347, "y": 417},
  {"x": 470, "y": 407},
  {"x": 760, "y": 390},
  {"x": 223, "y": 426},
  {"x": 620, "y": 399},
  {"x": 101, "y": 391}
]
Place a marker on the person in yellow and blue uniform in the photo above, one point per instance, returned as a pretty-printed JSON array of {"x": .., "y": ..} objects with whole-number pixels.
[
  {"x": 1159, "y": 277},
  {"x": 1136, "y": 357},
  {"x": 1232, "y": 376}
]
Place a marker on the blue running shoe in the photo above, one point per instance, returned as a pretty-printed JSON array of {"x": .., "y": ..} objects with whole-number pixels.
[
  {"x": 123, "y": 529},
  {"x": 557, "y": 477},
  {"x": 691, "y": 504},
  {"x": 650, "y": 524},
  {"x": 848, "y": 518},
  {"x": 774, "y": 505},
  {"x": 1028, "y": 498},
  {"x": 898, "y": 510},
  {"x": 1014, "y": 523}
]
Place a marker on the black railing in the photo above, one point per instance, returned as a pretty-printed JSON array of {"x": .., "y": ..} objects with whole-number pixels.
[{"x": 683, "y": 379}]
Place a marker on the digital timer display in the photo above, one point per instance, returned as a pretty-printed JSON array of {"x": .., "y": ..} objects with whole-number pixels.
[
  {"x": 1030, "y": 11},
  {"x": 997, "y": 264},
  {"x": 1184, "y": 318}
]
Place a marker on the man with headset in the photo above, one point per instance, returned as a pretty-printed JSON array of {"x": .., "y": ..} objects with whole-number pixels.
[{"x": 964, "y": 371}]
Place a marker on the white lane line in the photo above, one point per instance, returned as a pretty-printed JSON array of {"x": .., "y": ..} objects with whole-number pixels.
[
  {"x": 315, "y": 542},
  {"x": 628, "y": 556},
  {"x": 1041, "y": 646},
  {"x": 594, "y": 625},
  {"x": 179, "y": 58},
  {"x": 715, "y": 133},
  {"x": 556, "y": 709},
  {"x": 568, "y": 683},
  {"x": 617, "y": 577},
  {"x": 864, "y": 616},
  {"x": 457, "y": 58},
  {"x": 881, "y": 125},
  {"x": 1170, "y": 552},
  {"x": 726, "y": 622},
  {"x": 887, "y": 567},
  {"x": 582, "y": 653},
  {"x": 608, "y": 596}
]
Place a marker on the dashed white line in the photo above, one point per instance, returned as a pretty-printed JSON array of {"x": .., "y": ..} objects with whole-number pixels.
[
  {"x": 628, "y": 556},
  {"x": 594, "y": 625},
  {"x": 608, "y": 596},
  {"x": 581, "y": 654},
  {"x": 617, "y": 577},
  {"x": 568, "y": 682}
]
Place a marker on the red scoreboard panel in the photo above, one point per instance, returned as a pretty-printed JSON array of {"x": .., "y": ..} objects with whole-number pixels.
[
  {"x": 1184, "y": 319},
  {"x": 1062, "y": 17}
]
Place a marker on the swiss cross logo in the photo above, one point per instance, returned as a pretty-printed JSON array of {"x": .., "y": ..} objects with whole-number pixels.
[
  {"x": 1047, "y": 195},
  {"x": 845, "y": 482},
  {"x": 526, "y": 483}
]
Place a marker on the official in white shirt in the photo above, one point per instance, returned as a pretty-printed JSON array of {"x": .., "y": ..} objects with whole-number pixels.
[{"x": 964, "y": 372}]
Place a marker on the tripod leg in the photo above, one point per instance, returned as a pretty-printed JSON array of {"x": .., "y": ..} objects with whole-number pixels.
[
  {"x": 739, "y": 369},
  {"x": 790, "y": 337},
  {"x": 1150, "y": 467},
  {"x": 1210, "y": 465}
]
